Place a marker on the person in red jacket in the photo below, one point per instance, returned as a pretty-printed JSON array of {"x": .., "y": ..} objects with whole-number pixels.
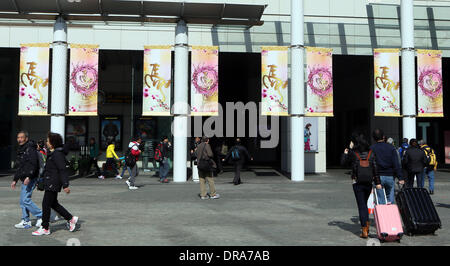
[{"x": 133, "y": 150}]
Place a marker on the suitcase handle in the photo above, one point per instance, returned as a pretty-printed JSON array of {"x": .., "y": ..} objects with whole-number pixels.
[{"x": 374, "y": 190}]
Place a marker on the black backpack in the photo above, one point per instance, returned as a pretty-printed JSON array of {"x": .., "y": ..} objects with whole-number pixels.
[
  {"x": 364, "y": 173},
  {"x": 130, "y": 160}
]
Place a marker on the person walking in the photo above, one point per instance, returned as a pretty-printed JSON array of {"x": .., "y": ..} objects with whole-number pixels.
[
  {"x": 205, "y": 156},
  {"x": 388, "y": 166},
  {"x": 238, "y": 154},
  {"x": 55, "y": 178},
  {"x": 93, "y": 156},
  {"x": 364, "y": 174},
  {"x": 110, "y": 161},
  {"x": 414, "y": 162},
  {"x": 430, "y": 168},
  {"x": 307, "y": 137},
  {"x": 27, "y": 164},
  {"x": 194, "y": 168},
  {"x": 133, "y": 154},
  {"x": 165, "y": 147}
]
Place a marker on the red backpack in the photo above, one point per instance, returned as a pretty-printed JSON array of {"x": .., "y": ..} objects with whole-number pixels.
[{"x": 158, "y": 153}]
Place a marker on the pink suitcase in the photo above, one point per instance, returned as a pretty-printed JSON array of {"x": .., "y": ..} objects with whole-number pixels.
[{"x": 388, "y": 221}]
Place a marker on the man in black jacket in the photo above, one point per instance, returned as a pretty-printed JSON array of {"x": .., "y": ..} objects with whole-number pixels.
[
  {"x": 27, "y": 165},
  {"x": 238, "y": 154},
  {"x": 414, "y": 162},
  {"x": 164, "y": 167},
  {"x": 388, "y": 166}
]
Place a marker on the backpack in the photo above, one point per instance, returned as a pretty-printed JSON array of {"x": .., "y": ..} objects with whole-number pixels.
[
  {"x": 130, "y": 160},
  {"x": 158, "y": 153},
  {"x": 431, "y": 156},
  {"x": 364, "y": 173},
  {"x": 235, "y": 154}
]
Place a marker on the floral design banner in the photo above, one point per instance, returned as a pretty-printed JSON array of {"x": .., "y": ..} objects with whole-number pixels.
[
  {"x": 157, "y": 80},
  {"x": 83, "y": 80},
  {"x": 33, "y": 79},
  {"x": 429, "y": 83},
  {"x": 387, "y": 82},
  {"x": 319, "y": 97},
  {"x": 205, "y": 81},
  {"x": 274, "y": 83}
]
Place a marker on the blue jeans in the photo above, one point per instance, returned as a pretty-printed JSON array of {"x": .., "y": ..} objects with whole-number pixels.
[
  {"x": 430, "y": 174},
  {"x": 125, "y": 168},
  {"x": 27, "y": 204},
  {"x": 389, "y": 185},
  {"x": 163, "y": 169}
]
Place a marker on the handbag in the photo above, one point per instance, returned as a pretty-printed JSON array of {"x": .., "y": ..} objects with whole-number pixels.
[
  {"x": 40, "y": 184},
  {"x": 204, "y": 165}
]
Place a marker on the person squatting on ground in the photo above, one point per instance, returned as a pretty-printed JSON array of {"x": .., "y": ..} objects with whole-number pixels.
[
  {"x": 206, "y": 166},
  {"x": 388, "y": 166},
  {"x": 93, "y": 156},
  {"x": 27, "y": 165},
  {"x": 55, "y": 178},
  {"x": 110, "y": 161},
  {"x": 131, "y": 159},
  {"x": 430, "y": 168},
  {"x": 414, "y": 161},
  {"x": 364, "y": 174},
  {"x": 164, "y": 147},
  {"x": 238, "y": 154}
]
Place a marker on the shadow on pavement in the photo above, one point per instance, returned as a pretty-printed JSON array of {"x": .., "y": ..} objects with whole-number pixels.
[{"x": 354, "y": 227}]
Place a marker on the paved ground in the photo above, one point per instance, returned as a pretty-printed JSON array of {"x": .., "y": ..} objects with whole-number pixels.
[{"x": 264, "y": 211}]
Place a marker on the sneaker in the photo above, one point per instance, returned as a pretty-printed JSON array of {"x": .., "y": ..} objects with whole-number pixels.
[
  {"x": 133, "y": 187},
  {"x": 431, "y": 192},
  {"x": 128, "y": 182},
  {"x": 101, "y": 177},
  {"x": 217, "y": 196},
  {"x": 41, "y": 231},
  {"x": 55, "y": 219},
  {"x": 23, "y": 225},
  {"x": 73, "y": 223},
  {"x": 165, "y": 180},
  {"x": 118, "y": 177},
  {"x": 39, "y": 222},
  {"x": 204, "y": 198}
]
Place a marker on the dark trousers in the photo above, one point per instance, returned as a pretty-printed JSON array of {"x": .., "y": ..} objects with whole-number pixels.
[
  {"x": 410, "y": 180},
  {"x": 49, "y": 202},
  {"x": 93, "y": 161},
  {"x": 237, "y": 172},
  {"x": 112, "y": 162},
  {"x": 362, "y": 194}
]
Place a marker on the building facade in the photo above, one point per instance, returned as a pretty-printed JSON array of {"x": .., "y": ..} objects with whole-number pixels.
[{"x": 352, "y": 28}]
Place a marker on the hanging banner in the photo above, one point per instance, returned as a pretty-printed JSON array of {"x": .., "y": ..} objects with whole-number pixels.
[
  {"x": 157, "y": 80},
  {"x": 205, "y": 81},
  {"x": 33, "y": 79},
  {"x": 387, "y": 82},
  {"x": 319, "y": 97},
  {"x": 274, "y": 84},
  {"x": 83, "y": 83},
  {"x": 429, "y": 83}
]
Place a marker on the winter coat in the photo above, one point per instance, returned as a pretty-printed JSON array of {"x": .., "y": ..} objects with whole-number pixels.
[
  {"x": 414, "y": 160},
  {"x": 352, "y": 159},
  {"x": 55, "y": 174},
  {"x": 243, "y": 154},
  {"x": 27, "y": 163}
]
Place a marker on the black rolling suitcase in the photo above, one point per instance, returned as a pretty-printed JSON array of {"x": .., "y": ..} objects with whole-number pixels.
[{"x": 417, "y": 210}]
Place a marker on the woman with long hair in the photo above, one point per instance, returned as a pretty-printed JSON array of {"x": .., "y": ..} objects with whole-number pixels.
[
  {"x": 364, "y": 174},
  {"x": 55, "y": 178}
]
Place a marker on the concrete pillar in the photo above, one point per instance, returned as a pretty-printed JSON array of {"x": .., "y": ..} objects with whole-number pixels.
[
  {"x": 297, "y": 100},
  {"x": 180, "y": 108},
  {"x": 59, "y": 77},
  {"x": 408, "y": 83}
]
